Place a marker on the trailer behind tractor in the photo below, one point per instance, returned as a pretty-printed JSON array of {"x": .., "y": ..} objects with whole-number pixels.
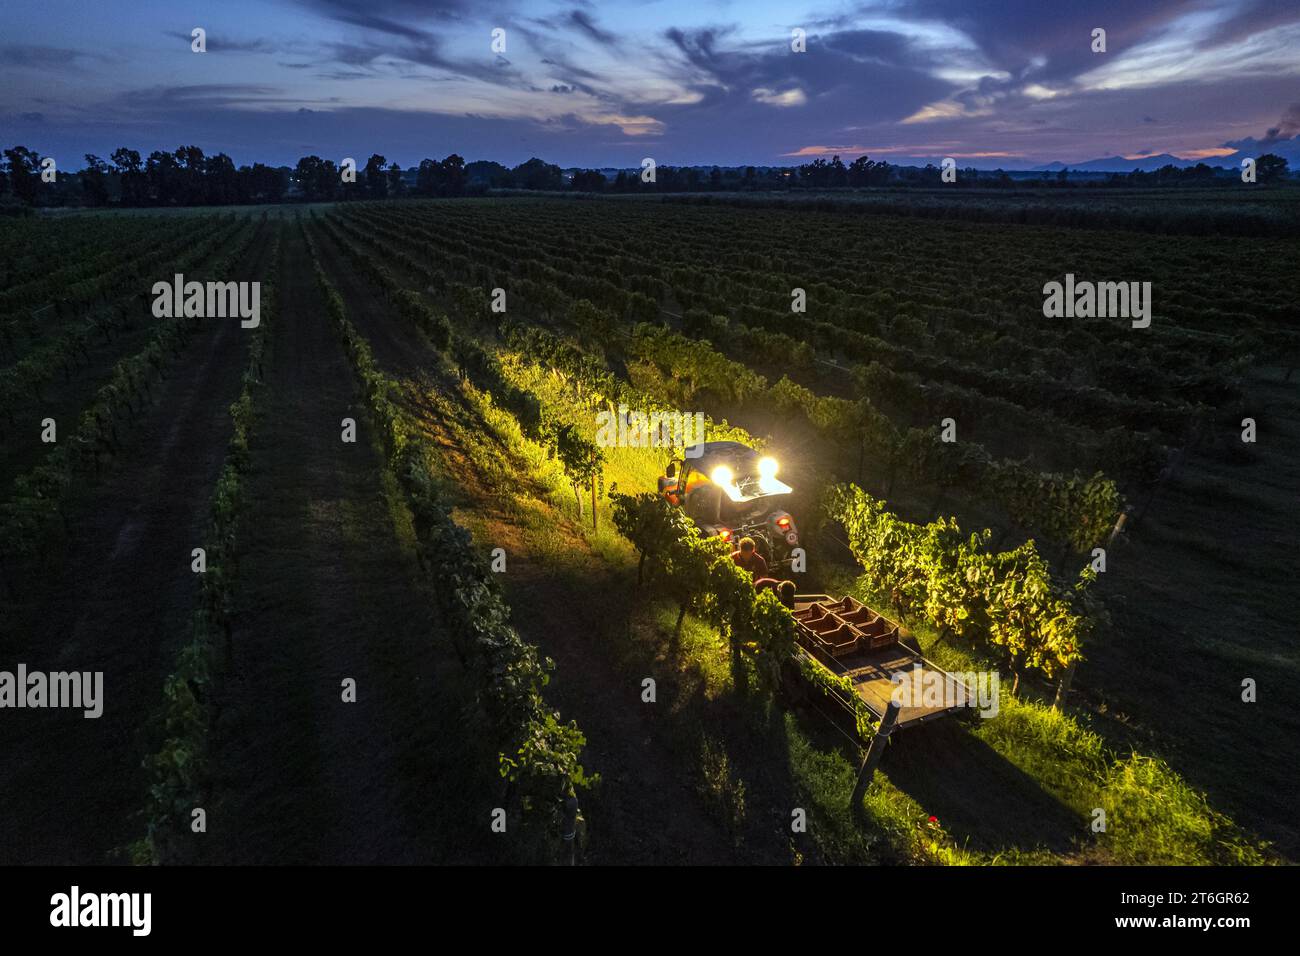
[{"x": 856, "y": 643}]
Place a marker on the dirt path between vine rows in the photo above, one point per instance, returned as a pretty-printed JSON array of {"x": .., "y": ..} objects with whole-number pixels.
[
  {"x": 119, "y": 602},
  {"x": 328, "y": 591}
]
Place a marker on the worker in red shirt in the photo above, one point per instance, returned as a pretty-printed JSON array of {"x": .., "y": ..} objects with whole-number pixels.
[{"x": 750, "y": 560}]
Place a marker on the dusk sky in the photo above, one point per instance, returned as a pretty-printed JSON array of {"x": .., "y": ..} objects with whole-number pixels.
[{"x": 1009, "y": 83}]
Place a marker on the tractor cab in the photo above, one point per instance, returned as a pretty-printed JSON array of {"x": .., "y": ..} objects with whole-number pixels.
[{"x": 732, "y": 491}]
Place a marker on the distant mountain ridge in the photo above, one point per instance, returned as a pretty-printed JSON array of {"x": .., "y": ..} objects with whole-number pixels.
[
  {"x": 1118, "y": 164},
  {"x": 1287, "y": 148}
]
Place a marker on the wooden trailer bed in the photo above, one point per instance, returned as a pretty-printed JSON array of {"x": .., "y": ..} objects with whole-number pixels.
[{"x": 853, "y": 641}]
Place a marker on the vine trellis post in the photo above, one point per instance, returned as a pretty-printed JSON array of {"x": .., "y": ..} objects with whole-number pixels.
[{"x": 871, "y": 760}]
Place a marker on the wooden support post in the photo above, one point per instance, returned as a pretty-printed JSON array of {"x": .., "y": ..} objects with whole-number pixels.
[
  {"x": 593, "y": 504},
  {"x": 569, "y": 831},
  {"x": 874, "y": 753},
  {"x": 1063, "y": 688},
  {"x": 1119, "y": 526}
]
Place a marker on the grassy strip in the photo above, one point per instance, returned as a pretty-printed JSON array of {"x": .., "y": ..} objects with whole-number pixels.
[{"x": 178, "y": 769}]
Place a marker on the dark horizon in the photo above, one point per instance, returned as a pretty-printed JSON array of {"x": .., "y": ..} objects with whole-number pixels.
[{"x": 1097, "y": 166}]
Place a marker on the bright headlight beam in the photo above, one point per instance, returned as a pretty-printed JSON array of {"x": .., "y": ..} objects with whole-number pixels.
[{"x": 725, "y": 478}]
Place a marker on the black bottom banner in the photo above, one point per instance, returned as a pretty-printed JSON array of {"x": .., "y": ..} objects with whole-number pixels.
[{"x": 369, "y": 903}]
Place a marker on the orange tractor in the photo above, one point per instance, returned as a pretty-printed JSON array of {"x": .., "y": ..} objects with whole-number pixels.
[{"x": 732, "y": 491}]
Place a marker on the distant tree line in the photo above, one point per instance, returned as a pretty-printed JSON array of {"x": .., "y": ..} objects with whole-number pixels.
[
  {"x": 186, "y": 177},
  {"x": 863, "y": 172},
  {"x": 1269, "y": 168}
]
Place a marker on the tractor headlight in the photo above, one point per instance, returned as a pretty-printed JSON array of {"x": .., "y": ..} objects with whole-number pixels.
[
  {"x": 722, "y": 476},
  {"x": 768, "y": 483}
]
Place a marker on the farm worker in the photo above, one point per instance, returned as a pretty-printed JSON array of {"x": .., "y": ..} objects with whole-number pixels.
[
  {"x": 668, "y": 484},
  {"x": 750, "y": 560},
  {"x": 784, "y": 590}
]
